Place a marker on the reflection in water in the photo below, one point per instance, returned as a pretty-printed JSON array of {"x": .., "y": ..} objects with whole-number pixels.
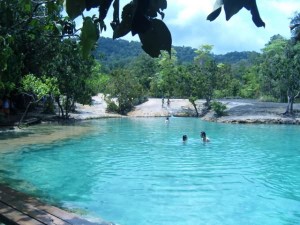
[{"x": 40, "y": 134}]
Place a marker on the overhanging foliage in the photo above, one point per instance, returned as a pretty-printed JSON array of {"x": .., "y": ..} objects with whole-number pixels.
[{"x": 140, "y": 17}]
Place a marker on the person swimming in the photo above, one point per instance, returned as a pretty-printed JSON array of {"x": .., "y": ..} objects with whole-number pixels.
[
  {"x": 184, "y": 138},
  {"x": 203, "y": 136},
  {"x": 167, "y": 120}
]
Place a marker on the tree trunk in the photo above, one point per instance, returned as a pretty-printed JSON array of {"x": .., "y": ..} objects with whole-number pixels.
[
  {"x": 207, "y": 103},
  {"x": 291, "y": 99},
  {"x": 292, "y": 105},
  {"x": 57, "y": 99},
  {"x": 195, "y": 107},
  {"x": 24, "y": 114},
  {"x": 287, "y": 111},
  {"x": 27, "y": 108},
  {"x": 68, "y": 107}
]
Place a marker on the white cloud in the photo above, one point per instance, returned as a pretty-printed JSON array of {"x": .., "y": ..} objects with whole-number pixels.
[
  {"x": 187, "y": 22},
  {"x": 185, "y": 11},
  {"x": 189, "y": 26},
  {"x": 285, "y": 7}
]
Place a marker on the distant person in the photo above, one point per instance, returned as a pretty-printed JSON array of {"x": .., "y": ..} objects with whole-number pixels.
[
  {"x": 204, "y": 137},
  {"x": 6, "y": 106},
  {"x": 167, "y": 120},
  {"x": 162, "y": 102},
  {"x": 184, "y": 138},
  {"x": 168, "y": 102}
]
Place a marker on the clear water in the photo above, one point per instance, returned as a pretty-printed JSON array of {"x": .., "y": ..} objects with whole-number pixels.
[{"x": 138, "y": 172}]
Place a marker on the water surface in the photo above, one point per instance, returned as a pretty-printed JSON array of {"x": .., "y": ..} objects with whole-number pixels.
[{"x": 138, "y": 171}]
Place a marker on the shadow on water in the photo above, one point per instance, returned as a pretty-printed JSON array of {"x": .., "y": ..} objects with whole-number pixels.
[{"x": 15, "y": 139}]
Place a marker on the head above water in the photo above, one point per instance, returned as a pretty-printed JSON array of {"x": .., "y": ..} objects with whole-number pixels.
[
  {"x": 203, "y": 134},
  {"x": 184, "y": 137}
]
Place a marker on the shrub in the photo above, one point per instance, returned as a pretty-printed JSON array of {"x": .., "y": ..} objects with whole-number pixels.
[
  {"x": 112, "y": 107},
  {"x": 268, "y": 98},
  {"x": 219, "y": 108}
]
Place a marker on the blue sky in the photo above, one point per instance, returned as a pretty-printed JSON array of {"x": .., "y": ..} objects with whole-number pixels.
[{"x": 187, "y": 22}]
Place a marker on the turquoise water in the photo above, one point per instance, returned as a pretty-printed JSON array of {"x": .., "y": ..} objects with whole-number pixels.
[{"x": 138, "y": 172}]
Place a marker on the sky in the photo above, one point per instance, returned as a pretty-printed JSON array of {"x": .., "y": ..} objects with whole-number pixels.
[{"x": 186, "y": 19}]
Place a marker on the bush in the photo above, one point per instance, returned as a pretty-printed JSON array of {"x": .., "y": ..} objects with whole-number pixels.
[
  {"x": 140, "y": 100},
  {"x": 268, "y": 98},
  {"x": 112, "y": 107},
  {"x": 219, "y": 108}
]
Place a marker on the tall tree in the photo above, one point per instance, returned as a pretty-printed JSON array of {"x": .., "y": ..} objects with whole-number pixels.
[
  {"x": 281, "y": 70},
  {"x": 207, "y": 67},
  {"x": 73, "y": 73},
  {"x": 165, "y": 81},
  {"x": 26, "y": 28},
  {"x": 271, "y": 68},
  {"x": 144, "y": 68},
  {"x": 125, "y": 88}
]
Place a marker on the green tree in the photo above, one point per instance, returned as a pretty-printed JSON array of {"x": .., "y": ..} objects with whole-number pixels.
[
  {"x": 74, "y": 74},
  {"x": 291, "y": 78},
  {"x": 26, "y": 29},
  {"x": 281, "y": 71},
  {"x": 226, "y": 85},
  {"x": 126, "y": 89},
  {"x": 271, "y": 68},
  {"x": 144, "y": 69},
  {"x": 251, "y": 85},
  {"x": 165, "y": 80},
  {"x": 207, "y": 69},
  {"x": 38, "y": 89}
]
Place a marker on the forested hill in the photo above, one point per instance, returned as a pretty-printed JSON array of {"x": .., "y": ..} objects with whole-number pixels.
[{"x": 119, "y": 53}]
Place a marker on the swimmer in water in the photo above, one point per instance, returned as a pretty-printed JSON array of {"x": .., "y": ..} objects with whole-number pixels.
[
  {"x": 167, "y": 120},
  {"x": 184, "y": 138},
  {"x": 203, "y": 137}
]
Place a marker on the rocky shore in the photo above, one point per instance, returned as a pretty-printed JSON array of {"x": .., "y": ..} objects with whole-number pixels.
[
  {"x": 253, "y": 111},
  {"x": 238, "y": 111}
]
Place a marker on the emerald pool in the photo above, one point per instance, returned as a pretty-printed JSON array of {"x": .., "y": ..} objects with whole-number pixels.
[{"x": 137, "y": 171}]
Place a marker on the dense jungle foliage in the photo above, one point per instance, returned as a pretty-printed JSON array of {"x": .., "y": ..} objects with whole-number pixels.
[
  {"x": 43, "y": 59},
  {"x": 118, "y": 53}
]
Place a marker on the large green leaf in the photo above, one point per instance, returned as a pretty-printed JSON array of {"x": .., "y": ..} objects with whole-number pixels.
[
  {"x": 232, "y": 7},
  {"x": 27, "y": 5},
  {"x": 157, "y": 38},
  {"x": 92, "y": 4},
  {"x": 74, "y": 8},
  {"x": 124, "y": 27},
  {"x": 104, "y": 6},
  {"x": 155, "y": 6},
  {"x": 89, "y": 36},
  {"x": 252, "y": 6}
]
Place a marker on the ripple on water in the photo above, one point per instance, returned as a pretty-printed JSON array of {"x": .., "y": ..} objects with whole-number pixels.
[{"x": 139, "y": 172}]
